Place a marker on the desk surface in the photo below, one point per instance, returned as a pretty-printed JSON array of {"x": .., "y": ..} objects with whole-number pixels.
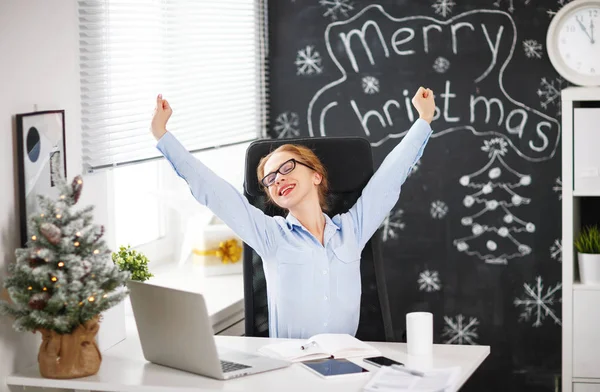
[{"x": 125, "y": 369}]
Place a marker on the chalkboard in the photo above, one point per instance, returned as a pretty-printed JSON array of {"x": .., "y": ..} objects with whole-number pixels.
[{"x": 475, "y": 236}]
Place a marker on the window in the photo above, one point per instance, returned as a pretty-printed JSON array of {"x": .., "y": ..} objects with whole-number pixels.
[
  {"x": 139, "y": 213},
  {"x": 206, "y": 57}
]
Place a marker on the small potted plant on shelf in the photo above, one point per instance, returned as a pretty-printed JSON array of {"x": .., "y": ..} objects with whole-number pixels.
[
  {"x": 132, "y": 261},
  {"x": 588, "y": 248}
]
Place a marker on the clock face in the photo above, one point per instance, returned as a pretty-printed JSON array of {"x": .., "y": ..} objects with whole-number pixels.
[{"x": 579, "y": 41}]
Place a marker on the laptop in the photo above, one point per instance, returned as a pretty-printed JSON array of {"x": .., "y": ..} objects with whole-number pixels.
[{"x": 175, "y": 331}]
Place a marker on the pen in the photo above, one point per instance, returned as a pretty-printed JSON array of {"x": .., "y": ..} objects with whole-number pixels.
[
  {"x": 409, "y": 371},
  {"x": 307, "y": 345}
]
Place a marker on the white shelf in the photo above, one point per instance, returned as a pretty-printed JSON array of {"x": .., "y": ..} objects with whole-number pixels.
[
  {"x": 589, "y": 287},
  {"x": 586, "y": 193}
]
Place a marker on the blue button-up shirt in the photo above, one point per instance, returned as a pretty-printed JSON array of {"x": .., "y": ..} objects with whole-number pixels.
[{"x": 311, "y": 288}]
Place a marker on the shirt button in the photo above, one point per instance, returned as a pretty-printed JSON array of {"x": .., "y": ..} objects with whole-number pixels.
[
  {"x": 326, "y": 298},
  {"x": 324, "y": 324},
  {"x": 324, "y": 272}
]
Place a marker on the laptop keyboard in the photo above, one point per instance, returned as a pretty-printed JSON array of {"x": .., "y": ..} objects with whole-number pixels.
[{"x": 232, "y": 366}]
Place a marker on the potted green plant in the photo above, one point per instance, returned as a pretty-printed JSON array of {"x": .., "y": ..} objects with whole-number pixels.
[
  {"x": 587, "y": 244},
  {"x": 132, "y": 261}
]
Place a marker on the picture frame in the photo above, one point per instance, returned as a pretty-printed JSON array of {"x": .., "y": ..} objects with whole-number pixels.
[{"x": 40, "y": 137}]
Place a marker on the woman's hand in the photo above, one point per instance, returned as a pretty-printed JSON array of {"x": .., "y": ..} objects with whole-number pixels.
[
  {"x": 162, "y": 112},
  {"x": 424, "y": 103}
]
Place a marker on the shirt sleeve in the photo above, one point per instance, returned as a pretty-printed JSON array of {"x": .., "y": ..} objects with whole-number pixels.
[
  {"x": 383, "y": 189},
  {"x": 248, "y": 222}
]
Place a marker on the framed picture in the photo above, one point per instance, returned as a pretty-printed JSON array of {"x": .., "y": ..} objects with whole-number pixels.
[{"x": 40, "y": 145}]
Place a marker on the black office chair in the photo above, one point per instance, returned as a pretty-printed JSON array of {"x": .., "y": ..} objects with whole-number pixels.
[{"x": 349, "y": 164}]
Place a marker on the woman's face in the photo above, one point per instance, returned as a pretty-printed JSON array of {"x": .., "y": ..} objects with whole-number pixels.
[{"x": 289, "y": 189}]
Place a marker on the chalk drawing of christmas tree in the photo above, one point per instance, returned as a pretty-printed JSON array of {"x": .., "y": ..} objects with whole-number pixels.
[{"x": 493, "y": 197}]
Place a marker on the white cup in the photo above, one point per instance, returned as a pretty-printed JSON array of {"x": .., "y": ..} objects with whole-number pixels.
[{"x": 419, "y": 333}]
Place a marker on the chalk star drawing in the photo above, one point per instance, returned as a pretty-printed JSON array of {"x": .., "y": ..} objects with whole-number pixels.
[
  {"x": 429, "y": 281},
  {"x": 556, "y": 250},
  {"x": 549, "y": 93},
  {"x": 392, "y": 224},
  {"x": 532, "y": 49},
  {"x": 558, "y": 187},
  {"x": 560, "y": 4},
  {"x": 337, "y": 8},
  {"x": 441, "y": 65},
  {"x": 459, "y": 332},
  {"x": 511, "y": 4},
  {"x": 536, "y": 304},
  {"x": 443, "y": 7},
  {"x": 438, "y": 210},
  {"x": 286, "y": 125},
  {"x": 308, "y": 61},
  {"x": 370, "y": 85},
  {"x": 494, "y": 186}
]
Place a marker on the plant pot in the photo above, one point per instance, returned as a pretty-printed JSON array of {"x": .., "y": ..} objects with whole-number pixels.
[
  {"x": 73, "y": 355},
  {"x": 589, "y": 268}
]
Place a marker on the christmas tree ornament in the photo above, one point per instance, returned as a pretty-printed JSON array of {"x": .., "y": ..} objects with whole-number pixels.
[
  {"x": 36, "y": 261},
  {"x": 39, "y": 301},
  {"x": 51, "y": 232},
  {"x": 77, "y": 186},
  {"x": 99, "y": 235}
]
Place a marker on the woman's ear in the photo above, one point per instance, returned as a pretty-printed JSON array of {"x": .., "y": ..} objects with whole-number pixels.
[{"x": 317, "y": 179}]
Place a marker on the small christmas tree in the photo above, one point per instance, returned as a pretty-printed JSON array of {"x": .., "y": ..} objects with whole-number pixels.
[{"x": 65, "y": 276}]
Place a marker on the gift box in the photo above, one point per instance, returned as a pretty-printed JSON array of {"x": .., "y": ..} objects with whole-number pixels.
[{"x": 218, "y": 250}]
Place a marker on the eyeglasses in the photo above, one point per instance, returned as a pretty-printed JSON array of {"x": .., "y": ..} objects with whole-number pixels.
[{"x": 286, "y": 168}]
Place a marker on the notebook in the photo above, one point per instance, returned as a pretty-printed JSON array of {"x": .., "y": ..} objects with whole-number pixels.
[
  {"x": 320, "y": 346},
  {"x": 391, "y": 378}
]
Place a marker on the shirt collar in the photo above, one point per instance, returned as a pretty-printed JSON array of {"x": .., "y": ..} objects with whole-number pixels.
[{"x": 291, "y": 219}]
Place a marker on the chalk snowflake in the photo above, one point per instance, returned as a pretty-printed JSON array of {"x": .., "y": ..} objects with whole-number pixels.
[
  {"x": 511, "y": 4},
  {"x": 438, "y": 210},
  {"x": 337, "y": 8},
  {"x": 532, "y": 49},
  {"x": 308, "y": 61},
  {"x": 414, "y": 168},
  {"x": 392, "y": 224},
  {"x": 495, "y": 146},
  {"x": 537, "y": 304},
  {"x": 286, "y": 125},
  {"x": 443, "y": 7},
  {"x": 429, "y": 281},
  {"x": 457, "y": 331},
  {"x": 370, "y": 85},
  {"x": 560, "y": 4},
  {"x": 558, "y": 187},
  {"x": 549, "y": 93},
  {"x": 441, "y": 65},
  {"x": 556, "y": 250}
]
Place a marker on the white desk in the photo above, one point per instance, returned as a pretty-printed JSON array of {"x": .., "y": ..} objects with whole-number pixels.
[{"x": 125, "y": 369}]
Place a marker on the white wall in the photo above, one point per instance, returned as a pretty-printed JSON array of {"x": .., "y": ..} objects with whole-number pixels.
[{"x": 38, "y": 66}]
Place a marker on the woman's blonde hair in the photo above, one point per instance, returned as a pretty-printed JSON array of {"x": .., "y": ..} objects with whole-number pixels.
[{"x": 306, "y": 156}]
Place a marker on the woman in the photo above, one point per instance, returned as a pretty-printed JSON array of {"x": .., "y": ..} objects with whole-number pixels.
[{"x": 311, "y": 261}]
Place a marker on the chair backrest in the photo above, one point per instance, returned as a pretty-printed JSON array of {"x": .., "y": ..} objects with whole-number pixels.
[{"x": 349, "y": 165}]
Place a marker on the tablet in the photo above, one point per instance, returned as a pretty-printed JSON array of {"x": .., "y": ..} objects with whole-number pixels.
[{"x": 331, "y": 367}]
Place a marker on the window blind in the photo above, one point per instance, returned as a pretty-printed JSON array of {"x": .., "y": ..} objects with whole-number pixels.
[{"x": 206, "y": 57}]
